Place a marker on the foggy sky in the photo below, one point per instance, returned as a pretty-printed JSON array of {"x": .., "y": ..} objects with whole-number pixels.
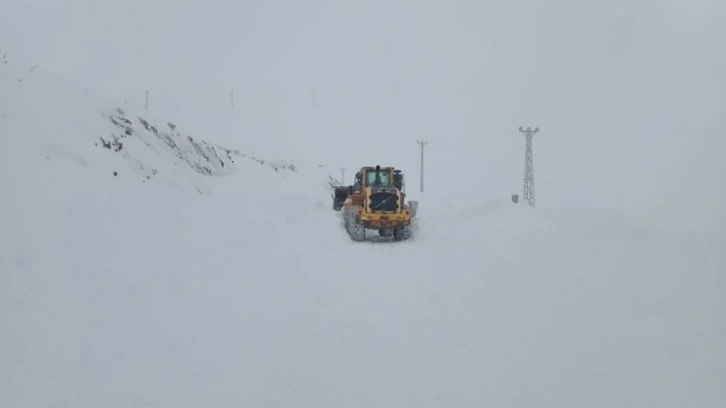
[{"x": 629, "y": 95}]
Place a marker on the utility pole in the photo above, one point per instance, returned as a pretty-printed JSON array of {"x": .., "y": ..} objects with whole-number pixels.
[
  {"x": 231, "y": 100},
  {"x": 422, "y": 143},
  {"x": 342, "y": 177},
  {"x": 528, "y": 165},
  {"x": 147, "y": 100}
]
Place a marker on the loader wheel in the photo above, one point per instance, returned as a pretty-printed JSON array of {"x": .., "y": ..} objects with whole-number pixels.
[
  {"x": 402, "y": 233},
  {"x": 348, "y": 217},
  {"x": 385, "y": 232},
  {"x": 356, "y": 231}
]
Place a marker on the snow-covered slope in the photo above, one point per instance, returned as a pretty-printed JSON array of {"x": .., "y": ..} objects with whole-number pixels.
[{"x": 133, "y": 291}]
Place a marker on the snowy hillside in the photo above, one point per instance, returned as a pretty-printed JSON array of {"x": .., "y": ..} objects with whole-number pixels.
[
  {"x": 135, "y": 290},
  {"x": 35, "y": 103}
]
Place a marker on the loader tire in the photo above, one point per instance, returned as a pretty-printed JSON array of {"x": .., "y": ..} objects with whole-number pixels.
[
  {"x": 402, "y": 233},
  {"x": 357, "y": 232}
]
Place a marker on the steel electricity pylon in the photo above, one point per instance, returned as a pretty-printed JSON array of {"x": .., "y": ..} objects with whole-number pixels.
[{"x": 529, "y": 165}]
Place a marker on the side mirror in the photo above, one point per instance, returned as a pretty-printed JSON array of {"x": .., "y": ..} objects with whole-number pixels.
[{"x": 413, "y": 206}]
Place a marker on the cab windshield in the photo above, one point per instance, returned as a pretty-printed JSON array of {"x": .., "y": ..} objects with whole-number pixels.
[{"x": 384, "y": 179}]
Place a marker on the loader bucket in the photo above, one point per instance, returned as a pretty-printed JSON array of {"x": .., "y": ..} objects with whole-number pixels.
[{"x": 340, "y": 195}]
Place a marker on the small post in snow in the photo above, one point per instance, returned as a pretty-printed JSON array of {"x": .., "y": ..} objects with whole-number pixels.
[{"x": 422, "y": 143}]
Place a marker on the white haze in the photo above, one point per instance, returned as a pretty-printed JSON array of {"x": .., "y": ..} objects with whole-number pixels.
[
  {"x": 128, "y": 279},
  {"x": 629, "y": 95}
]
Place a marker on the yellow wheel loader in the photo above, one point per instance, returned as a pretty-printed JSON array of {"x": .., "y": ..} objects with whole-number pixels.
[{"x": 376, "y": 201}]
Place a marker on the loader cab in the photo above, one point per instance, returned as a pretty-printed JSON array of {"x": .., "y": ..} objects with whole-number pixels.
[{"x": 378, "y": 177}]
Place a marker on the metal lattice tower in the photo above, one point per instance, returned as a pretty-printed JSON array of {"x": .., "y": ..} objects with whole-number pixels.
[
  {"x": 529, "y": 165},
  {"x": 422, "y": 143}
]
